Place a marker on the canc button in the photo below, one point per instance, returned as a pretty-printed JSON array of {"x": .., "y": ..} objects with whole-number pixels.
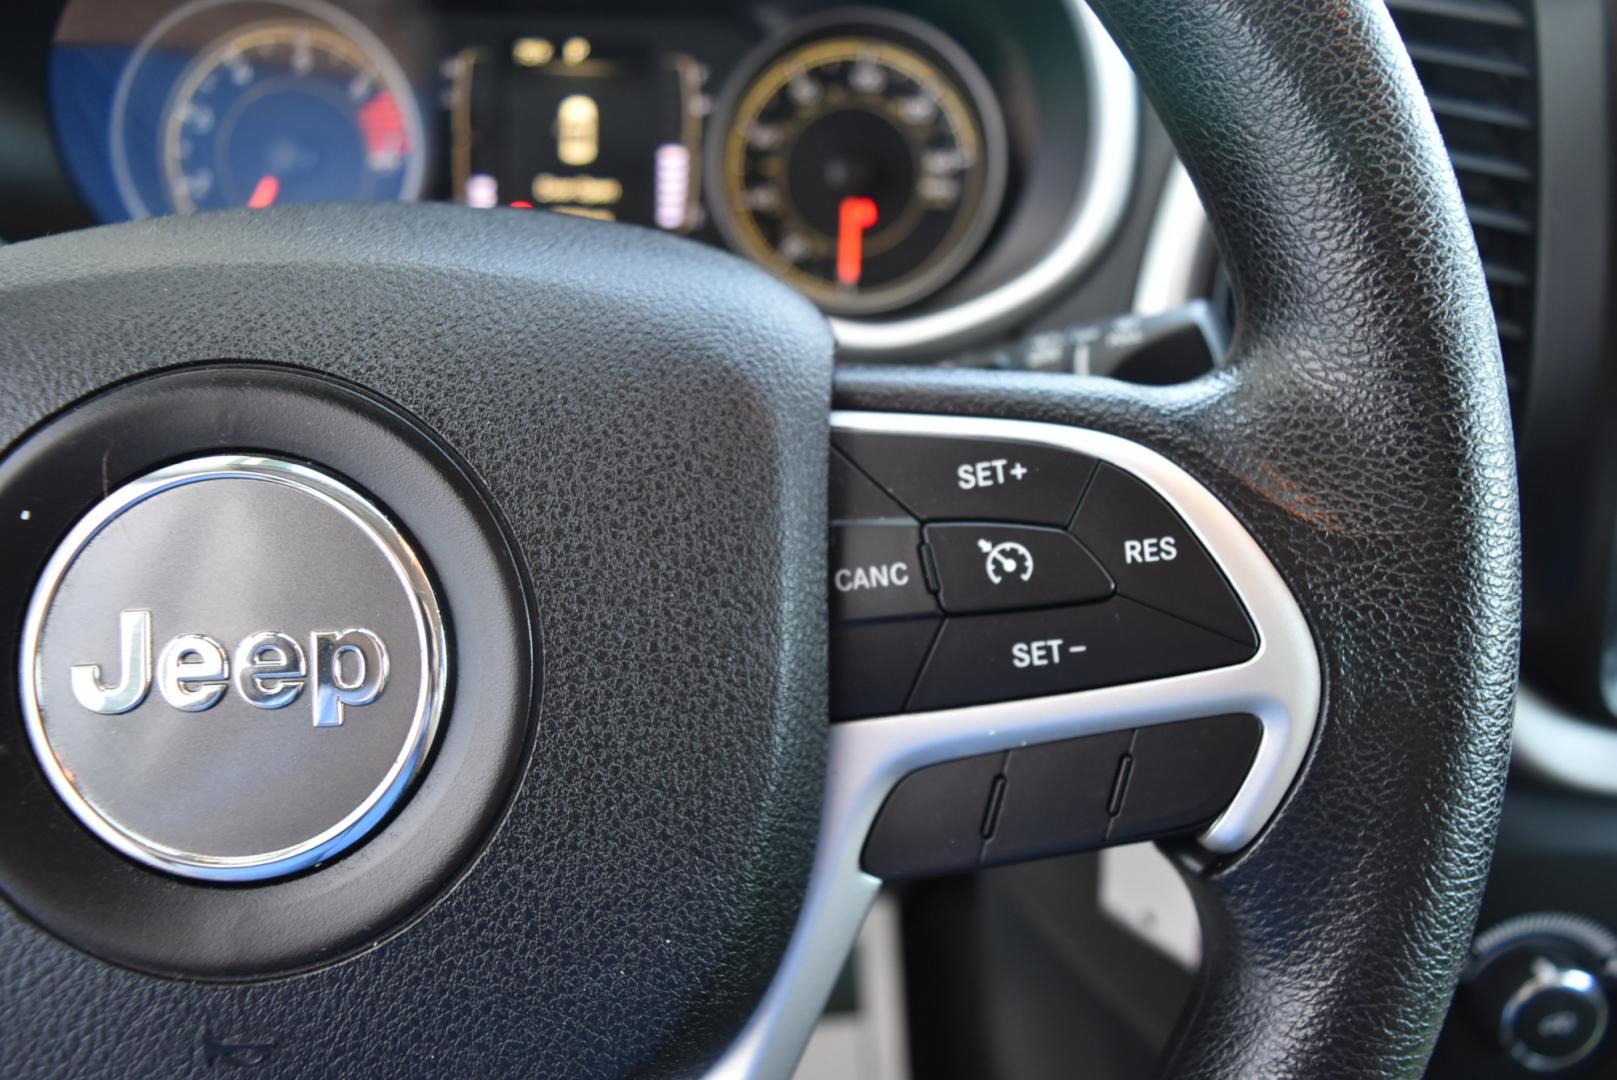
[{"x": 876, "y": 573}]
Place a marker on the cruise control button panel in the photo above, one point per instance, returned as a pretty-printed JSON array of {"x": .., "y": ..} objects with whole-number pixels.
[
  {"x": 1028, "y": 570},
  {"x": 939, "y": 478}
]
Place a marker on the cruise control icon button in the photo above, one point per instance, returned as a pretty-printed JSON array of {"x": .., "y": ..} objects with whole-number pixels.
[
  {"x": 991, "y": 567},
  {"x": 233, "y": 668},
  {"x": 1007, "y": 561}
]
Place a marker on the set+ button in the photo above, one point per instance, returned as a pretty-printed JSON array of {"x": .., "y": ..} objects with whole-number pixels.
[{"x": 940, "y": 479}]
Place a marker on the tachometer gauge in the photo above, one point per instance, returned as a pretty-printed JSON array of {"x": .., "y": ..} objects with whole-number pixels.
[
  {"x": 279, "y": 101},
  {"x": 864, "y": 168}
]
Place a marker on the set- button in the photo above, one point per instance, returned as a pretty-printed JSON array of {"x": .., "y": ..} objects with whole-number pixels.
[
  {"x": 967, "y": 571},
  {"x": 1056, "y": 651}
]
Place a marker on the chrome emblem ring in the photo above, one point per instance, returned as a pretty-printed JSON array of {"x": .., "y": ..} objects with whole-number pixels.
[{"x": 233, "y": 668}]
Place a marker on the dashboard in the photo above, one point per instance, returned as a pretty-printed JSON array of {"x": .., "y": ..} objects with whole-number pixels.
[{"x": 890, "y": 162}]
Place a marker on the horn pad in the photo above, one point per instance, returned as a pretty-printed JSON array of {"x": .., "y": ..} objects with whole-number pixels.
[{"x": 607, "y": 448}]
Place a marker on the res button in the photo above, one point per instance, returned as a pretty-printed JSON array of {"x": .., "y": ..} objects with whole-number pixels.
[
  {"x": 983, "y": 479},
  {"x": 1154, "y": 557}
]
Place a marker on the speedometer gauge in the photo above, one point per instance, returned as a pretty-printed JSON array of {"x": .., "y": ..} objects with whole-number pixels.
[
  {"x": 288, "y": 112},
  {"x": 255, "y": 103},
  {"x": 865, "y": 169}
]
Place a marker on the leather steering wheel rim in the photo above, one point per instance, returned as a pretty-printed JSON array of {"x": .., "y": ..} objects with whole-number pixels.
[
  {"x": 1362, "y": 433},
  {"x": 623, "y": 901}
]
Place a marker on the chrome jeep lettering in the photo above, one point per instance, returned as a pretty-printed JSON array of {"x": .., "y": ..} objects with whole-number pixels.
[
  {"x": 193, "y": 673},
  {"x": 332, "y": 693},
  {"x": 348, "y": 669},
  {"x": 135, "y": 678}
]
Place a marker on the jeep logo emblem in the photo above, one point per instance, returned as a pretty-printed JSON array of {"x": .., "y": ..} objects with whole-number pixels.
[
  {"x": 349, "y": 670},
  {"x": 181, "y": 626}
]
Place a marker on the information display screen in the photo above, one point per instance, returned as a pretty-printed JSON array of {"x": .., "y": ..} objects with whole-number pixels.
[{"x": 603, "y": 129}]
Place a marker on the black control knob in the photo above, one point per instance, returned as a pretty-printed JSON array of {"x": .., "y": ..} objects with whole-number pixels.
[
  {"x": 1539, "y": 985},
  {"x": 1555, "y": 1019}
]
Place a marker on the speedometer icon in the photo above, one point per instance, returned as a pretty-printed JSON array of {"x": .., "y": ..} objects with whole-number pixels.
[{"x": 1008, "y": 561}]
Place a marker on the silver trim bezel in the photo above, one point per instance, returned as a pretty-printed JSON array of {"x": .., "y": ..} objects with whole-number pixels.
[
  {"x": 1110, "y": 156},
  {"x": 1177, "y": 249},
  {"x": 431, "y": 640},
  {"x": 1280, "y": 685},
  {"x": 1562, "y": 747}
]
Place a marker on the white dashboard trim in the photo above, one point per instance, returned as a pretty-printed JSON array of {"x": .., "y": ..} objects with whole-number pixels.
[
  {"x": 1109, "y": 163},
  {"x": 1175, "y": 248}
]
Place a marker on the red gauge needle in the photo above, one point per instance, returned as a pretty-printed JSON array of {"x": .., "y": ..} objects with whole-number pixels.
[
  {"x": 264, "y": 194},
  {"x": 856, "y": 214}
]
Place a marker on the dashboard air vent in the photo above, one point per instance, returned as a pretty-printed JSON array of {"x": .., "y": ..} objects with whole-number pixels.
[{"x": 1476, "y": 60}]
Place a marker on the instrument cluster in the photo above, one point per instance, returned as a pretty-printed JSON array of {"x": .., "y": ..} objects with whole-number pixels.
[{"x": 864, "y": 155}]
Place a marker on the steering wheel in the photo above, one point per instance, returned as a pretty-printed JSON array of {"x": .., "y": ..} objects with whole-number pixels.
[{"x": 587, "y": 465}]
